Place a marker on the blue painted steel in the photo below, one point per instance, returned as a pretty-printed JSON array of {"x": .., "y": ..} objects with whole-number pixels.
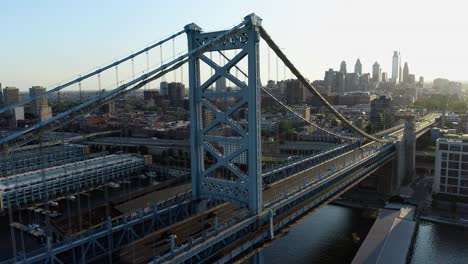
[
  {"x": 60, "y": 87},
  {"x": 233, "y": 233},
  {"x": 117, "y": 231},
  {"x": 246, "y": 188}
]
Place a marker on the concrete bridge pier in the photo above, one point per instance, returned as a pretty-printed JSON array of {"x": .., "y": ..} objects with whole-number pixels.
[
  {"x": 401, "y": 170},
  {"x": 406, "y": 166}
]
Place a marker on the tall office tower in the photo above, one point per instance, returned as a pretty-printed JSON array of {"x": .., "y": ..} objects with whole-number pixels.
[
  {"x": 421, "y": 81},
  {"x": 376, "y": 72},
  {"x": 406, "y": 73},
  {"x": 396, "y": 67},
  {"x": 384, "y": 77},
  {"x": 41, "y": 103},
  {"x": 400, "y": 75},
  {"x": 411, "y": 79},
  {"x": 358, "y": 67},
  {"x": 340, "y": 83},
  {"x": 352, "y": 82},
  {"x": 10, "y": 95},
  {"x": 176, "y": 93},
  {"x": 330, "y": 80},
  {"x": 163, "y": 88},
  {"x": 221, "y": 84},
  {"x": 343, "y": 68},
  {"x": 382, "y": 114},
  {"x": 295, "y": 92}
]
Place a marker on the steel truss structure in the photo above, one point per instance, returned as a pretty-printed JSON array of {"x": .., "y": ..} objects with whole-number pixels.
[
  {"x": 114, "y": 234},
  {"x": 244, "y": 186},
  {"x": 33, "y": 159},
  {"x": 28, "y": 187}
]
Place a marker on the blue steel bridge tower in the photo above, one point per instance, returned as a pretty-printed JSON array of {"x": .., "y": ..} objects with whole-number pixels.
[{"x": 226, "y": 166}]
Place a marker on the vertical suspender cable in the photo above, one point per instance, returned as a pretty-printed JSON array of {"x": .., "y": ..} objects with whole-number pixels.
[
  {"x": 147, "y": 68},
  {"x": 181, "y": 73},
  {"x": 269, "y": 77},
  {"x": 79, "y": 88},
  {"x": 277, "y": 74},
  {"x": 161, "y": 58},
  {"x": 117, "y": 75},
  {"x": 133, "y": 77},
  {"x": 173, "y": 57}
]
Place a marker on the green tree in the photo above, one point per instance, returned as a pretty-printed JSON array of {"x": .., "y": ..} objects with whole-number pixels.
[{"x": 285, "y": 128}]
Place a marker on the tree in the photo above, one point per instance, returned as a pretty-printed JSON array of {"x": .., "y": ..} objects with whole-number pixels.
[
  {"x": 265, "y": 132},
  {"x": 285, "y": 128}
]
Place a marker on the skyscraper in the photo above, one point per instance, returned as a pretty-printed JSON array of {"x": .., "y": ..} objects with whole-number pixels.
[
  {"x": 421, "y": 81},
  {"x": 406, "y": 73},
  {"x": 358, "y": 67},
  {"x": 295, "y": 92},
  {"x": 396, "y": 67},
  {"x": 340, "y": 83},
  {"x": 384, "y": 77},
  {"x": 176, "y": 93},
  {"x": 163, "y": 87},
  {"x": 352, "y": 82},
  {"x": 40, "y": 107},
  {"x": 10, "y": 95},
  {"x": 376, "y": 72},
  {"x": 330, "y": 80},
  {"x": 343, "y": 68},
  {"x": 42, "y": 101},
  {"x": 382, "y": 114},
  {"x": 221, "y": 84}
]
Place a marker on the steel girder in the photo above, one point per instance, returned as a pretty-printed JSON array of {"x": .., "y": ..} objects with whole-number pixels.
[{"x": 243, "y": 187}]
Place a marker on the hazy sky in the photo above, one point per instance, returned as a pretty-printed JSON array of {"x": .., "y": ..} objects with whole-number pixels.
[{"x": 43, "y": 42}]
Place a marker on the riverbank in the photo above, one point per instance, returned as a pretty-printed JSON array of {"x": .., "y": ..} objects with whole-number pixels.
[
  {"x": 355, "y": 205},
  {"x": 445, "y": 221}
]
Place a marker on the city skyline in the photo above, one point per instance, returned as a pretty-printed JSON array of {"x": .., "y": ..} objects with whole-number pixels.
[{"x": 309, "y": 37}]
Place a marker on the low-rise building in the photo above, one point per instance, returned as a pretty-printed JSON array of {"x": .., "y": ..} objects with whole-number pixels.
[{"x": 451, "y": 167}]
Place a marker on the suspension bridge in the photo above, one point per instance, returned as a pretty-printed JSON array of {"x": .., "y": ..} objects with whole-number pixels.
[{"x": 236, "y": 203}]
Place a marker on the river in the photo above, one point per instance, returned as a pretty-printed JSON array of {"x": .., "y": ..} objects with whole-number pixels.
[
  {"x": 324, "y": 237},
  {"x": 327, "y": 237},
  {"x": 438, "y": 243}
]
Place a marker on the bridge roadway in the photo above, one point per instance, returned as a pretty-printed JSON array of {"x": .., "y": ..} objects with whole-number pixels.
[{"x": 156, "y": 244}]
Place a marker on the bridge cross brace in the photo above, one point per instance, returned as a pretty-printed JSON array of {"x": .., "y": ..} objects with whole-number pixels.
[{"x": 239, "y": 155}]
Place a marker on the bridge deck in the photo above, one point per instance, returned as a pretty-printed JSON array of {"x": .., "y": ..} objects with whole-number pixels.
[{"x": 155, "y": 244}]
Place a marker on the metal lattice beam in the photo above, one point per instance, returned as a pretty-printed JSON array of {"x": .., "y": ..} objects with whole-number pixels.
[{"x": 243, "y": 187}]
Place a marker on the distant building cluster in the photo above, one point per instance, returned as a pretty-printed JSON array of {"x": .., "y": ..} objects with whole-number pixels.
[
  {"x": 37, "y": 111},
  {"x": 342, "y": 81},
  {"x": 169, "y": 94}
]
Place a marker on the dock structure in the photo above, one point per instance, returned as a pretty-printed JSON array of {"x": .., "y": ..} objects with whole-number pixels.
[
  {"x": 33, "y": 159},
  {"x": 25, "y": 188},
  {"x": 389, "y": 239}
]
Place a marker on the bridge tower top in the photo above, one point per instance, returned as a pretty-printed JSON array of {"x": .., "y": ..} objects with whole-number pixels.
[{"x": 226, "y": 153}]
